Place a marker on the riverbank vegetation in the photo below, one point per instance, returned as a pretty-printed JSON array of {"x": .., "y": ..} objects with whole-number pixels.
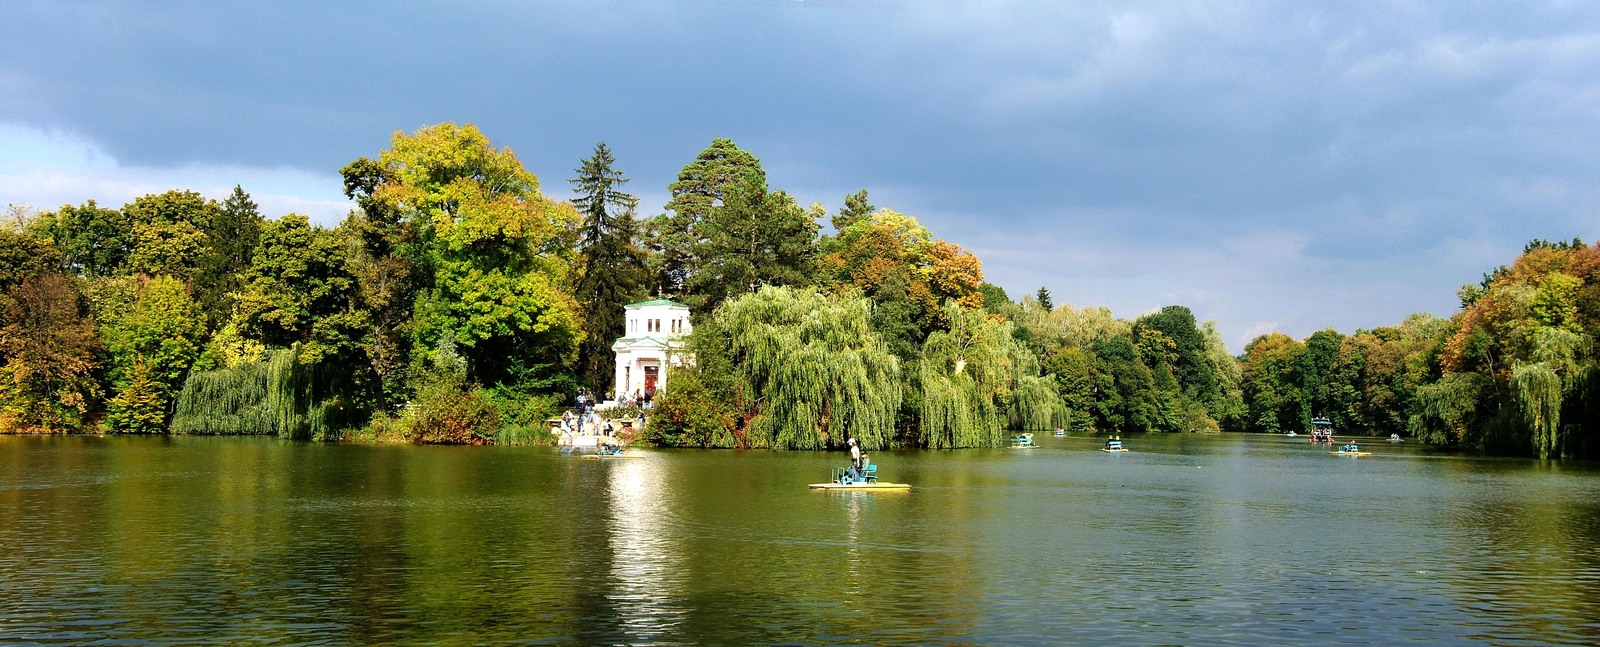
[{"x": 457, "y": 303}]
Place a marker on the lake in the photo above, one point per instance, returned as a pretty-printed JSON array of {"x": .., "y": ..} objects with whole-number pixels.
[{"x": 1187, "y": 539}]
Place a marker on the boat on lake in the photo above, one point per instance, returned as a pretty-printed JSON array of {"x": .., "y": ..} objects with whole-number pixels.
[
  {"x": 608, "y": 451},
  {"x": 1114, "y": 445},
  {"x": 1023, "y": 441},
  {"x": 1321, "y": 431},
  {"x": 1395, "y": 438},
  {"x": 1349, "y": 449},
  {"x": 867, "y": 479}
]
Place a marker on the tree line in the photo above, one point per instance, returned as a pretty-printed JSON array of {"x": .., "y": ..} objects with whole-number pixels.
[{"x": 457, "y": 303}]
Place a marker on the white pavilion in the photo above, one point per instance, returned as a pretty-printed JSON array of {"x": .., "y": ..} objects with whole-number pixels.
[{"x": 654, "y": 331}]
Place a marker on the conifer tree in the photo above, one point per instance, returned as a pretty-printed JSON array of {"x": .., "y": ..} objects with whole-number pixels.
[
  {"x": 612, "y": 265},
  {"x": 231, "y": 239}
]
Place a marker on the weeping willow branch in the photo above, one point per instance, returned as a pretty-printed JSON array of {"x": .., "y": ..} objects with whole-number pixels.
[
  {"x": 279, "y": 396},
  {"x": 817, "y": 371},
  {"x": 975, "y": 378}
]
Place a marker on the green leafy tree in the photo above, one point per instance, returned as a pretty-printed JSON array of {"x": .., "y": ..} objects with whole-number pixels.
[
  {"x": 809, "y": 372},
  {"x": 137, "y": 408},
  {"x": 1274, "y": 399},
  {"x": 1044, "y": 299},
  {"x": 152, "y": 346},
  {"x": 613, "y": 266},
  {"x": 391, "y": 264},
  {"x": 94, "y": 241},
  {"x": 969, "y": 380},
  {"x": 299, "y": 290},
  {"x": 168, "y": 233},
  {"x": 855, "y": 210},
  {"x": 502, "y": 255}
]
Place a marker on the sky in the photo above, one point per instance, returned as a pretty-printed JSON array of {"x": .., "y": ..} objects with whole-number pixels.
[{"x": 1273, "y": 166}]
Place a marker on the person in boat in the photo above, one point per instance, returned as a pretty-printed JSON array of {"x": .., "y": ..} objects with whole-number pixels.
[{"x": 856, "y": 470}]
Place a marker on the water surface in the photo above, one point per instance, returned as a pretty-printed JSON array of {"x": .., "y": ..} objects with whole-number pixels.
[{"x": 1188, "y": 539}]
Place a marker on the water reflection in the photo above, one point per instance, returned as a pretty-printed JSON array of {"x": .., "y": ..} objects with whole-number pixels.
[
  {"x": 647, "y": 564},
  {"x": 1195, "y": 540}
]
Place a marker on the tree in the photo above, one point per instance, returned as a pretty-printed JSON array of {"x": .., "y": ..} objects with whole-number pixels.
[
  {"x": 299, "y": 290},
  {"x": 94, "y": 241},
  {"x": 808, "y": 371},
  {"x": 994, "y": 296},
  {"x": 137, "y": 408},
  {"x": 167, "y": 234},
  {"x": 152, "y": 346},
  {"x": 231, "y": 237},
  {"x": 613, "y": 270},
  {"x": 1273, "y": 398},
  {"x": 855, "y": 209},
  {"x": 502, "y": 255},
  {"x": 754, "y": 238},
  {"x": 48, "y": 348},
  {"x": 970, "y": 377},
  {"x": 702, "y": 186},
  {"x": 391, "y": 264},
  {"x": 1044, "y": 299}
]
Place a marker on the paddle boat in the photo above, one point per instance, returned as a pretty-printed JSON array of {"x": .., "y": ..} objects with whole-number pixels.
[
  {"x": 843, "y": 479},
  {"x": 609, "y": 450},
  {"x": 1395, "y": 438},
  {"x": 1022, "y": 441},
  {"x": 1114, "y": 445},
  {"x": 1060, "y": 431},
  {"x": 1349, "y": 449}
]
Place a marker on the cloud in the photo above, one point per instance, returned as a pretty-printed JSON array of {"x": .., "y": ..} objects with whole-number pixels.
[{"x": 48, "y": 168}]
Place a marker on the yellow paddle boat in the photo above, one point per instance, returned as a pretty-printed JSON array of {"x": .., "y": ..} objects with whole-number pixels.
[
  {"x": 1113, "y": 446},
  {"x": 844, "y": 479},
  {"x": 1349, "y": 450}
]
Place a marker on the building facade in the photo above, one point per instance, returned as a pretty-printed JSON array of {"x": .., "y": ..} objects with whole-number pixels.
[{"x": 655, "y": 330}]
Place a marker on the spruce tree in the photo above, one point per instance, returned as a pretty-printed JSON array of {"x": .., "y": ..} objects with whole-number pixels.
[
  {"x": 613, "y": 265},
  {"x": 231, "y": 239}
]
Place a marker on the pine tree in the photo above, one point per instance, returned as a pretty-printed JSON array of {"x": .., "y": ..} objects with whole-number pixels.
[
  {"x": 856, "y": 209},
  {"x": 1044, "y": 300},
  {"x": 231, "y": 239},
  {"x": 613, "y": 265}
]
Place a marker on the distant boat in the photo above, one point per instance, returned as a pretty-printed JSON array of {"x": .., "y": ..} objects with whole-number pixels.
[
  {"x": 1114, "y": 445},
  {"x": 1023, "y": 441},
  {"x": 1349, "y": 450},
  {"x": 1395, "y": 438},
  {"x": 1060, "y": 431},
  {"x": 1321, "y": 430}
]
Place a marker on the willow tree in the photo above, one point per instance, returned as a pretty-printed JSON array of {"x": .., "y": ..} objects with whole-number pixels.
[
  {"x": 974, "y": 376},
  {"x": 1542, "y": 385},
  {"x": 809, "y": 369}
]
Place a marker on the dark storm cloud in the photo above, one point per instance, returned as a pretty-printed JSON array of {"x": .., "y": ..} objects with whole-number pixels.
[{"x": 1281, "y": 164}]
